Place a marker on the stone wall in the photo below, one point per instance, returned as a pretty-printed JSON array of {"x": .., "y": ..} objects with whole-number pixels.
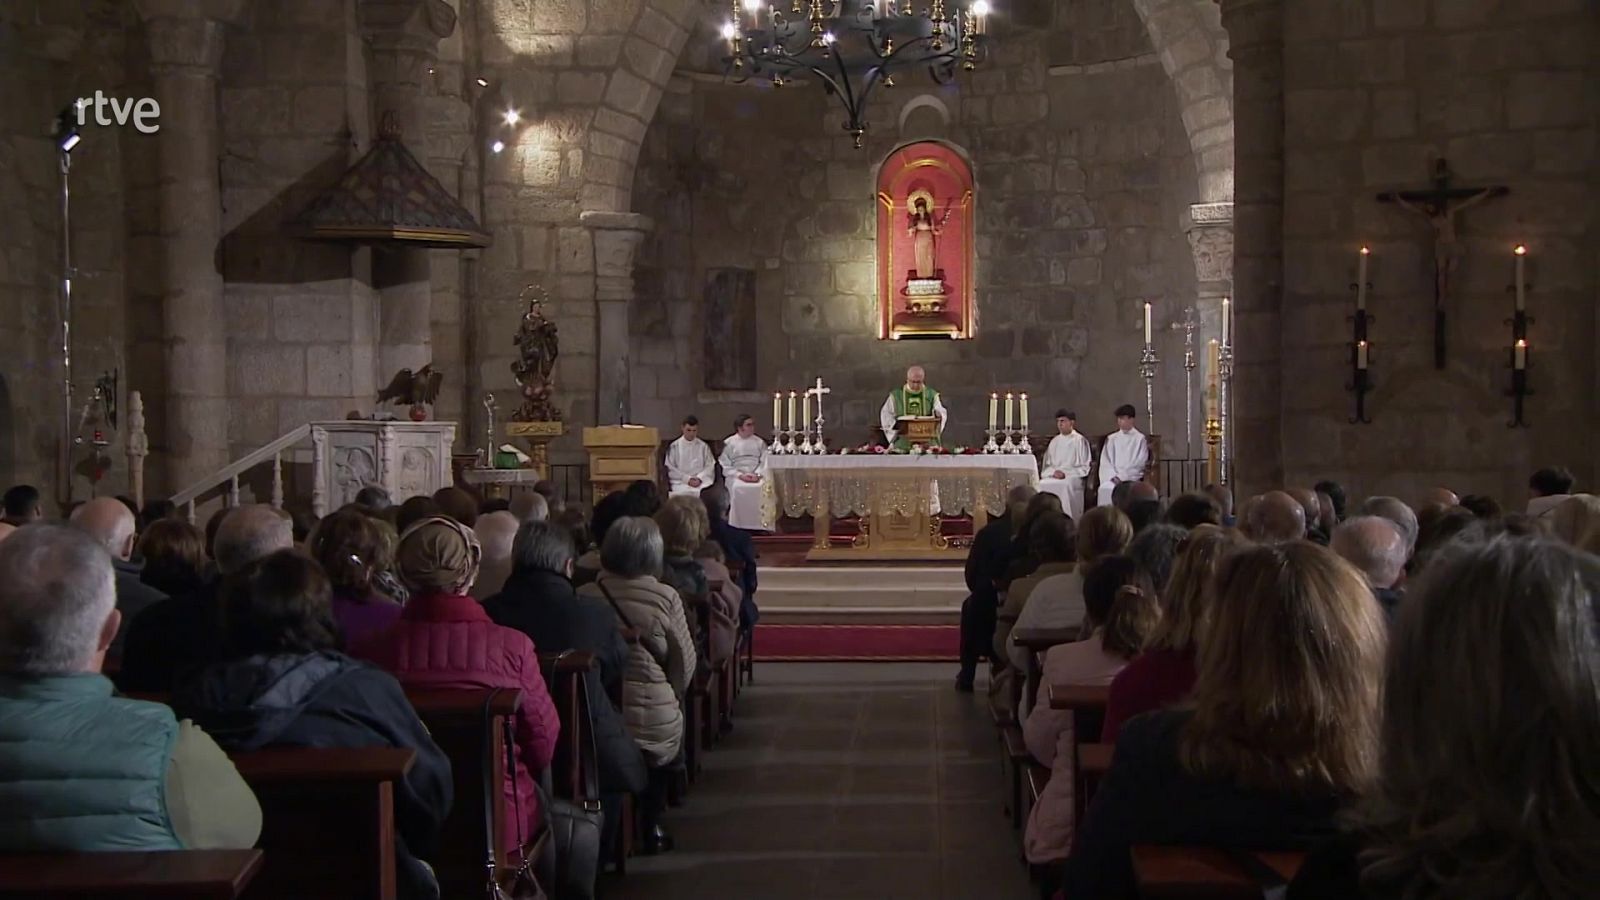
[
  {"x": 1085, "y": 175},
  {"x": 50, "y": 54},
  {"x": 1373, "y": 93}
]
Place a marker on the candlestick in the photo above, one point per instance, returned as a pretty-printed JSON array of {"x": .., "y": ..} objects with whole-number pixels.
[
  {"x": 1361, "y": 281},
  {"x": 1147, "y": 371},
  {"x": 994, "y": 404},
  {"x": 1147, "y": 324},
  {"x": 1008, "y": 410},
  {"x": 805, "y": 414},
  {"x": 1519, "y": 356},
  {"x": 1521, "y": 253},
  {"x": 792, "y": 396},
  {"x": 1227, "y": 314},
  {"x": 777, "y": 412},
  {"x": 1024, "y": 416}
]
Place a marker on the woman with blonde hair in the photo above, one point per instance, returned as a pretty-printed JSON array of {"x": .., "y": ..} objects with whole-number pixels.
[
  {"x": 1282, "y": 732},
  {"x": 1165, "y": 672},
  {"x": 1490, "y": 775},
  {"x": 684, "y": 527}
]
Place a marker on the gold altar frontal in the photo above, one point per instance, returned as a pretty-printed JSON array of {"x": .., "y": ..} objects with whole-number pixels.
[{"x": 898, "y": 497}]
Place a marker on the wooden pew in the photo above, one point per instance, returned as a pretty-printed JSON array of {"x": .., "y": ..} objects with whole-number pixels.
[
  {"x": 744, "y": 652},
  {"x": 1018, "y": 758},
  {"x": 456, "y": 720},
  {"x": 1036, "y": 641},
  {"x": 1205, "y": 873},
  {"x": 155, "y": 875},
  {"x": 327, "y": 820}
]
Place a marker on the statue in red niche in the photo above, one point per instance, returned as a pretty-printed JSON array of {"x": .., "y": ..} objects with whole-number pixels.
[{"x": 925, "y": 240}]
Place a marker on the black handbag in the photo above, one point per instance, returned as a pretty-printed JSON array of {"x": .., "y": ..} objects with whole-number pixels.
[{"x": 570, "y": 862}]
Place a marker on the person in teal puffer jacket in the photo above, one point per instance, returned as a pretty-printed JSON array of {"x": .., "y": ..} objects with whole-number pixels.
[{"x": 80, "y": 768}]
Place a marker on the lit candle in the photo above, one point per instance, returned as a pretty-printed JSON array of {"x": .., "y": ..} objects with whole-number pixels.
[
  {"x": 1024, "y": 416},
  {"x": 1147, "y": 324},
  {"x": 1213, "y": 377},
  {"x": 1519, "y": 356},
  {"x": 1008, "y": 410},
  {"x": 1361, "y": 281},
  {"x": 1522, "y": 272},
  {"x": 1361, "y": 355},
  {"x": 1227, "y": 313},
  {"x": 753, "y": 7},
  {"x": 777, "y": 411},
  {"x": 994, "y": 408},
  {"x": 791, "y": 411},
  {"x": 805, "y": 412}
]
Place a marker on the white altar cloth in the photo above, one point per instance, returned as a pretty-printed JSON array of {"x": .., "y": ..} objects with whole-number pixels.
[{"x": 896, "y": 483}]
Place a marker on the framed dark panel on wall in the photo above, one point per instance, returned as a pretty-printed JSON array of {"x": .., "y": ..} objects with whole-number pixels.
[{"x": 730, "y": 330}]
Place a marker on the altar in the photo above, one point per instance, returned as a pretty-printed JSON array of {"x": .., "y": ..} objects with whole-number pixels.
[{"x": 899, "y": 498}]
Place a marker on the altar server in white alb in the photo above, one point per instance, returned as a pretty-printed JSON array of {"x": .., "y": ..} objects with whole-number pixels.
[
  {"x": 744, "y": 469},
  {"x": 1124, "y": 456},
  {"x": 1066, "y": 464},
  {"x": 690, "y": 466}
]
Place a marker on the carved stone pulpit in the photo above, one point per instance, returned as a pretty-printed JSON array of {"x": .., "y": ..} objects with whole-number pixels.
[
  {"x": 620, "y": 455},
  {"x": 404, "y": 458}
]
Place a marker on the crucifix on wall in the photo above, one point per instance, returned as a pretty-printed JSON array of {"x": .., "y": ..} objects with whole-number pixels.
[{"x": 1440, "y": 206}]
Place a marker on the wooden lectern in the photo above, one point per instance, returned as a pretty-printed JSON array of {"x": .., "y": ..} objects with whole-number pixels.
[
  {"x": 620, "y": 455},
  {"x": 918, "y": 429}
]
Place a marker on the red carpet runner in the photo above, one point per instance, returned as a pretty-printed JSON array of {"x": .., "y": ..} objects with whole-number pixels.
[{"x": 934, "y": 643}]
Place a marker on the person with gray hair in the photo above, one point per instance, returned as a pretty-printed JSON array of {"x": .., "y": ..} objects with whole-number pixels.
[
  {"x": 660, "y": 664},
  {"x": 1396, "y": 511},
  {"x": 64, "y": 736},
  {"x": 538, "y": 600},
  {"x": 112, "y": 524},
  {"x": 530, "y": 506},
  {"x": 495, "y": 532},
  {"x": 1374, "y": 545},
  {"x": 1275, "y": 518},
  {"x": 180, "y": 635}
]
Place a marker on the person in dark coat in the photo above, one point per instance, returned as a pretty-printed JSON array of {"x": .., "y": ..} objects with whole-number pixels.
[
  {"x": 1281, "y": 735},
  {"x": 987, "y": 561},
  {"x": 539, "y": 600},
  {"x": 112, "y": 525},
  {"x": 737, "y": 547},
  {"x": 280, "y": 682},
  {"x": 176, "y": 637}
]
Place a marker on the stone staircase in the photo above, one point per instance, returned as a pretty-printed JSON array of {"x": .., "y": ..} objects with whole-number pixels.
[{"x": 861, "y": 595}]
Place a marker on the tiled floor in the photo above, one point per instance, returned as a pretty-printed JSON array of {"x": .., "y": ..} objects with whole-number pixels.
[{"x": 848, "y": 781}]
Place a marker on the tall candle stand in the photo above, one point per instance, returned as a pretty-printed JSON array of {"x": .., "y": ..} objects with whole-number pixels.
[
  {"x": 1224, "y": 404},
  {"x": 1360, "y": 349},
  {"x": 1519, "y": 322},
  {"x": 1147, "y": 370},
  {"x": 1189, "y": 326}
]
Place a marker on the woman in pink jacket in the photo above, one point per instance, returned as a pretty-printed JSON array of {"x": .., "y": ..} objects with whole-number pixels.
[{"x": 445, "y": 640}]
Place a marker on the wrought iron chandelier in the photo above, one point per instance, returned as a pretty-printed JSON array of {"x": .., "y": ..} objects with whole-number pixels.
[{"x": 855, "y": 47}]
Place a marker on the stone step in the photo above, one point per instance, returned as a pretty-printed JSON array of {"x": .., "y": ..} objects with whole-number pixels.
[{"x": 862, "y": 594}]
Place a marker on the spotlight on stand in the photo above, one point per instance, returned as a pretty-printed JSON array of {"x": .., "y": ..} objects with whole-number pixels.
[{"x": 66, "y": 133}]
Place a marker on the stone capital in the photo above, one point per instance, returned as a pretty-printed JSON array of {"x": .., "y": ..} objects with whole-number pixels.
[
  {"x": 1252, "y": 23},
  {"x": 417, "y": 25},
  {"x": 1212, "y": 248},
  {"x": 193, "y": 44}
]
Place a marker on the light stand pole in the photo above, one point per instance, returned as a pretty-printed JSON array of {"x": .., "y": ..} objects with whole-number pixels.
[
  {"x": 1147, "y": 370},
  {"x": 1189, "y": 325},
  {"x": 66, "y": 137}
]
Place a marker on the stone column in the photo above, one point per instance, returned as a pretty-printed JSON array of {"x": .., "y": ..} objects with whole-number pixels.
[
  {"x": 185, "y": 41},
  {"x": 1210, "y": 233},
  {"x": 617, "y": 237},
  {"x": 1255, "y": 37},
  {"x": 403, "y": 41}
]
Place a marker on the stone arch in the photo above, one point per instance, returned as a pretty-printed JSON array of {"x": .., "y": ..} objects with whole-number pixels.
[
  {"x": 928, "y": 102},
  {"x": 1188, "y": 37}
]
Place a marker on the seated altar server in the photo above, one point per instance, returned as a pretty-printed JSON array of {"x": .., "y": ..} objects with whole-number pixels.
[
  {"x": 744, "y": 468},
  {"x": 914, "y": 398},
  {"x": 1124, "y": 456},
  {"x": 1066, "y": 464},
  {"x": 690, "y": 465}
]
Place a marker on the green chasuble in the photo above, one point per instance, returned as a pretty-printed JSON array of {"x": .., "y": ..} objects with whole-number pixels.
[{"x": 912, "y": 403}]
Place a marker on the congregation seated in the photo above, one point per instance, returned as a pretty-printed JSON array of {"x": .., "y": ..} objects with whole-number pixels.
[
  {"x": 737, "y": 547},
  {"x": 1396, "y": 511},
  {"x": 1057, "y": 601},
  {"x": 1119, "y": 619},
  {"x": 113, "y": 525},
  {"x": 684, "y": 526},
  {"x": 495, "y": 531},
  {"x": 1154, "y": 552},
  {"x": 1311, "y": 506},
  {"x": 1281, "y": 733},
  {"x": 1223, "y": 497},
  {"x": 1164, "y": 673},
  {"x": 415, "y": 510},
  {"x": 373, "y": 497},
  {"x": 1051, "y": 541},
  {"x": 539, "y": 600},
  {"x": 1548, "y": 488},
  {"x": 21, "y": 505},
  {"x": 174, "y": 557},
  {"x": 1489, "y": 738},
  {"x": 613, "y": 506},
  {"x": 531, "y": 506},
  {"x": 1576, "y": 522},
  {"x": 1192, "y": 510},
  {"x": 455, "y": 503},
  {"x": 1275, "y": 517},
  {"x": 444, "y": 640},
  {"x": 1436, "y": 527},
  {"x": 645, "y": 493},
  {"x": 82, "y": 769},
  {"x": 987, "y": 562},
  {"x": 1144, "y": 513},
  {"x": 725, "y": 604},
  {"x": 354, "y": 551},
  {"x": 1023, "y": 559},
  {"x": 178, "y": 636},
  {"x": 1482, "y": 506},
  {"x": 1377, "y": 549},
  {"x": 280, "y": 680},
  {"x": 660, "y": 662}
]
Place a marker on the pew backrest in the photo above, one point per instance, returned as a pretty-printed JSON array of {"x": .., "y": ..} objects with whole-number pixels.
[
  {"x": 155, "y": 875},
  {"x": 1205, "y": 873}
]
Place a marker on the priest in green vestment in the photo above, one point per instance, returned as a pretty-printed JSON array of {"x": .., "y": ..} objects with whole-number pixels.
[{"x": 914, "y": 398}]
